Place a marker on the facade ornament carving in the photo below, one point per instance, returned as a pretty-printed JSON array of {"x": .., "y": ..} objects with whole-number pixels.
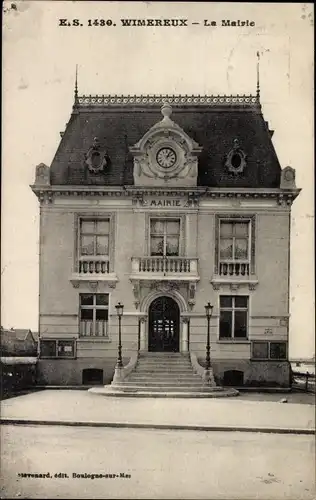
[
  {"x": 252, "y": 286},
  {"x": 97, "y": 158},
  {"x": 287, "y": 180},
  {"x": 216, "y": 286},
  {"x": 165, "y": 154},
  {"x": 45, "y": 197},
  {"x": 164, "y": 287},
  {"x": 193, "y": 201},
  {"x": 185, "y": 319},
  {"x": 136, "y": 292},
  {"x": 285, "y": 200},
  {"x": 234, "y": 286},
  {"x": 191, "y": 295},
  {"x": 42, "y": 175},
  {"x": 93, "y": 285},
  {"x": 236, "y": 159},
  {"x": 112, "y": 284},
  {"x": 174, "y": 99}
]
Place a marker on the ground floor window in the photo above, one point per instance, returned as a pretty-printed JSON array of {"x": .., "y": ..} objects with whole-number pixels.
[
  {"x": 269, "y": 350},
  {"x": 57, "y": 348},
  {"x": 233, "y": 377},
  {"x": 94, "y": 314},
  {"x": 92, "y": 376},
  {"x": 233, "y": 317}
]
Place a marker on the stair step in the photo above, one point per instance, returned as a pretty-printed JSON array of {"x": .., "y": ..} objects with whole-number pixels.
[
  {"x": 164, "y": 376},
  {"x": 161, "y": 380},
  {"x": 174, "y": 388},
  {"x": 162, "y": 384},
  {"x": 165, "y": 363}
]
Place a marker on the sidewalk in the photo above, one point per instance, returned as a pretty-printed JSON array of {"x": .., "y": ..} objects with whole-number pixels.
[{"x": 70, "y": 407}]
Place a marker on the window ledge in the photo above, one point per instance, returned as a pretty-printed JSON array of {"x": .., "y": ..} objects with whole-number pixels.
[
  {"x": 58, "y": 357},
  {"x": 234, "y": 281},
  {"x": 268, "y": 359},
  {"x": 233, "y": 341},
  {"x": 92, "y": 278},
  {"x": 94, "y": 339}
]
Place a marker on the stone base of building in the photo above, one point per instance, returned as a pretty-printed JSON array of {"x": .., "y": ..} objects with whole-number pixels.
[{"x": 100, "y": 371}]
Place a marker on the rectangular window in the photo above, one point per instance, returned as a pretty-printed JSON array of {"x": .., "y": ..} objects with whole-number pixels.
[
  {"x": 94, "y": 314},
  {"x": 269, "y": 350},
  {"x": 164, "y": 237},
  {"x": 278, "y": 350},
  {"x": 94, "y": 245},
  {"x": 233, "y": 322},
  {"x": 234, "y": 241},
  {"x": 57, "y": 348}
]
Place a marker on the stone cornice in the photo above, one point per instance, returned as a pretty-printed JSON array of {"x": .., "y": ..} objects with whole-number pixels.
[{"x": 46, "y": 193}]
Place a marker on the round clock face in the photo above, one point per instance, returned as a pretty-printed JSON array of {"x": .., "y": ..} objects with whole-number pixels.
[{"x": 166, "y": 157}]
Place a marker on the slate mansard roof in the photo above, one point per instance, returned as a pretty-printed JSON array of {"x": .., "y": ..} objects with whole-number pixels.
[{"x": 214, "y": 122}]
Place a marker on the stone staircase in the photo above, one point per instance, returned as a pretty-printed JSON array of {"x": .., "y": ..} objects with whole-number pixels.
[{"x": 163, "y": 373}]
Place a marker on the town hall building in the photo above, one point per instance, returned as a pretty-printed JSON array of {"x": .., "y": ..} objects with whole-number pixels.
[{"x": 153, "y": 208}]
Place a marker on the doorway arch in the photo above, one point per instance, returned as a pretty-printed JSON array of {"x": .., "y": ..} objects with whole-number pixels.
[{"x": 163, "y": 325}]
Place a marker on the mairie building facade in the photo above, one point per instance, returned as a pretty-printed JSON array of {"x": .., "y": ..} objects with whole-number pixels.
[{"x": 165, "y": 203}]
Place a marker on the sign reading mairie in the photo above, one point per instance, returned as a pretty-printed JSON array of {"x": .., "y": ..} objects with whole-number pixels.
[{"x": 164, "y": 202}]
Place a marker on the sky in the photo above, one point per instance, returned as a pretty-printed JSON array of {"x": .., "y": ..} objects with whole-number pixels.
[{"x": 39, "y": 60}]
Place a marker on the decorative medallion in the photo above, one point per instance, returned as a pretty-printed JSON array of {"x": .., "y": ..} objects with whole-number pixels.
[
  {"x": 97, "y": 158},
  {"x": 165, "y": 154},
  {"x": 236, "y": 159}
]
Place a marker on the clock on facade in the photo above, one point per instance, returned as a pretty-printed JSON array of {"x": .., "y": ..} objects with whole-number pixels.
[{"x": 166, "y": 157}]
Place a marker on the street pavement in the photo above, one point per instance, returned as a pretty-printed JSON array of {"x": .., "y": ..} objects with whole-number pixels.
[
  {"x": 86, "y": 408},
  {"x": 156, "y": 464}
]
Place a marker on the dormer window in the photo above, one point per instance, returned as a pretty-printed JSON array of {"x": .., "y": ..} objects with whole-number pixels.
[{"x": 236, "y": 159}]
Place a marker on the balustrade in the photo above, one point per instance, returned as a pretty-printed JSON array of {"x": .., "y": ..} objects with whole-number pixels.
[
  {"x": 93, "y": 266},
  {"x": 234, "y": 268},
  {"x": 176, "y": 265}
]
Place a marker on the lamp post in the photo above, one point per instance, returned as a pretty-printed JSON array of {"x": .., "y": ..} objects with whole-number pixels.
[
  {"x": 208, "y": 313},
  {"x": 119, "y": 310}
]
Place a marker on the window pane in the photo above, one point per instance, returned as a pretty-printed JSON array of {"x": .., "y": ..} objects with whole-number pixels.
[
  {"x": 225, "y": 301},
  {"x": 241, "y": 301},
  {"x": 102, "y": 314},
  {"x": 86, "y": 299},
  {"x": 102, "y": 299},
  {"x": 172, "y": 246},
  {"x": 102, "y": 245},
  {"x": 278, "y": 350},
  {"x": 101, "y": 328},
  {"x": 87, "y": 245},
  {"x": 66, "y": 348},
  {"x": 48, "y": 348},
  {"x": 240, "y": 324},
  {"x": 226, "y": 249},
  {"x": 86, "y": 314},
  {"x": 225, "y": 324},
  {"x": 241, "y": 249},
  {"x": 157, "y": 226},
  {"x": 103, "y": 226},
  {"x": 260, "y": 350},
  {"x": 241, "y": 229},
  {"x": 173, "y": 227},
  {"x": 156, "y": 245},
  {"x": 87, "y": 226},
  {"x": 226, "y": 229}
]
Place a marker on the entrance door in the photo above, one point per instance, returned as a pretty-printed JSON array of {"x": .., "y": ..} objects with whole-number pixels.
[{"x": 164, "y": 319}]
